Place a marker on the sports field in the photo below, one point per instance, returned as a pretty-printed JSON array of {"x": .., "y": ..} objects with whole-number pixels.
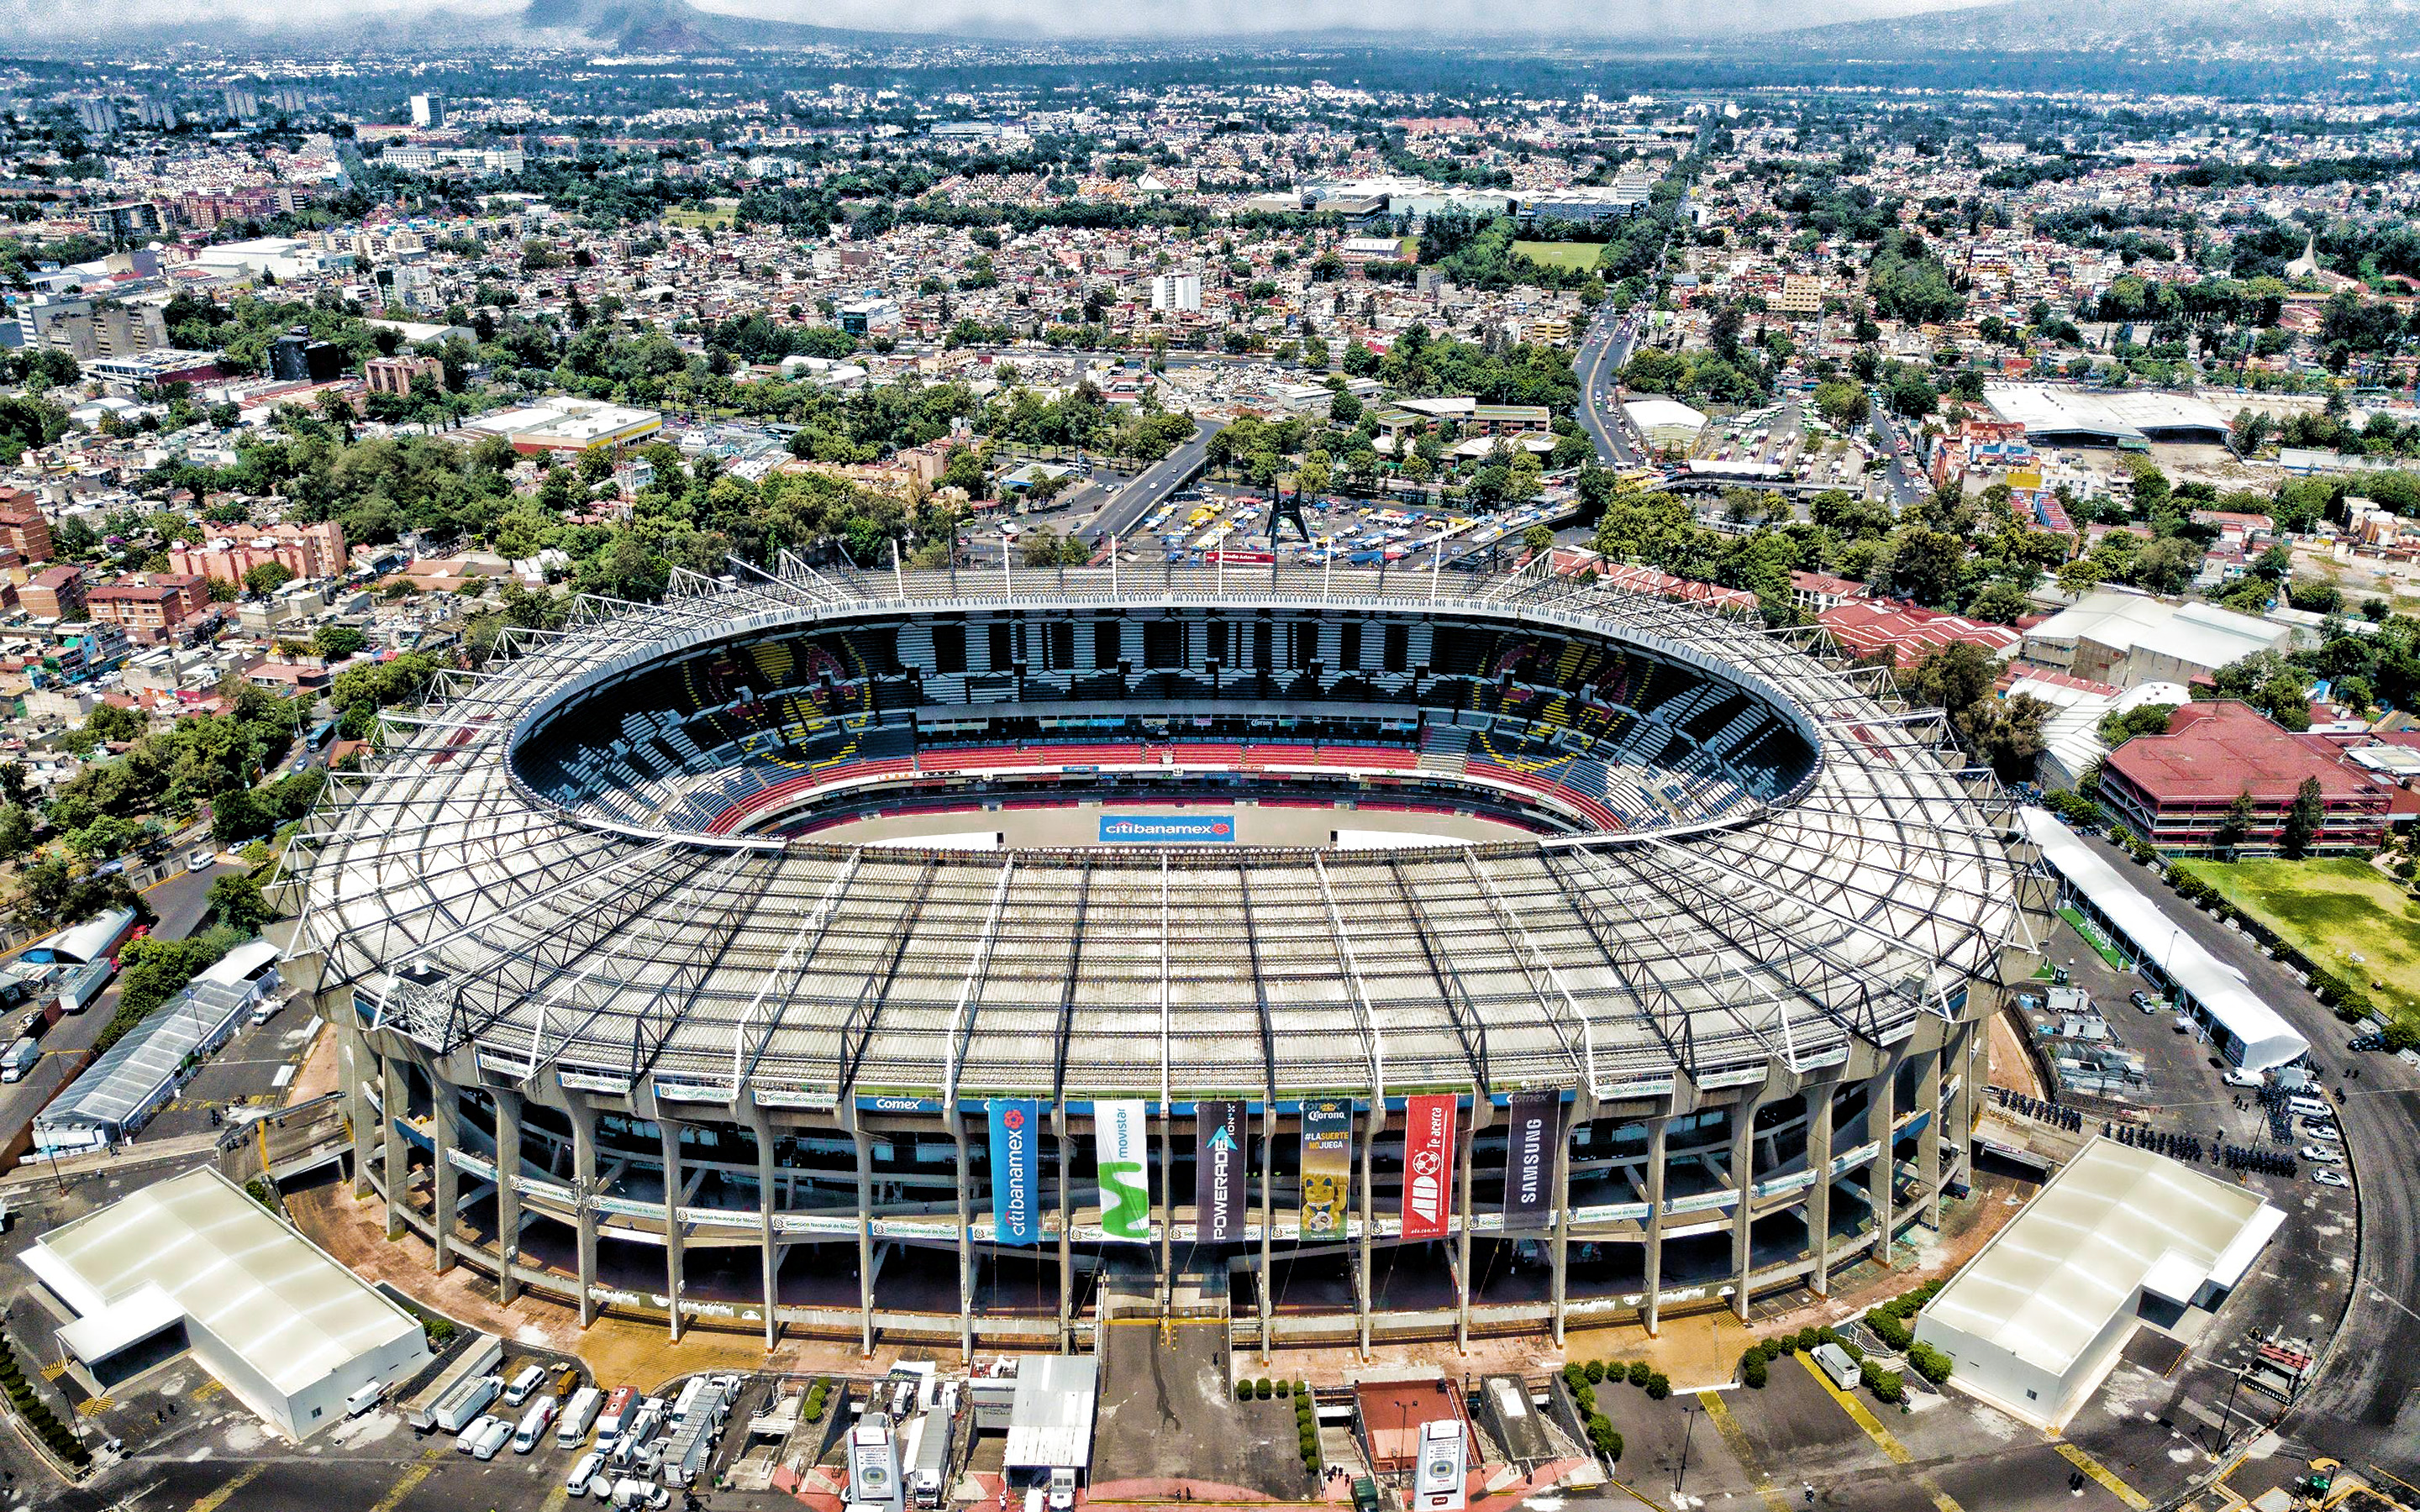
[
  {"x": 2333, "y": 910},
  {"x": 1580, "y": 257},
  {"x": 718, "y": 216}
]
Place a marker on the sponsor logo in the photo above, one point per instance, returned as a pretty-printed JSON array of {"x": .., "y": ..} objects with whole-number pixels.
[{"x": 1167, "y": 829}]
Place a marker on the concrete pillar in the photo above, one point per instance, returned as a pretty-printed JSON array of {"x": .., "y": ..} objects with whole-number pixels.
[
  {"x": 1167, "y": 1287},
  {"x": 856, "y": 1122},
  {"x": 508, "y": 1193},
  {"x": 584, "y": 1189},
  {"x": 1927, "y": 1144},
  {"x": 1370, "y": 1128},
  {"x": 767, "y": 1197},
  {"x": 1819, "y": 1195},
  {"x": 356, "y": 1065},
  {"x": 1743, "y": 1179},
  {"x": 445, "y": 1126},
  {"x": 1966, "y": 1064},
  {"x": 1658, "y": 1141},
  {"x": 674, "y": 1232},
  {"x": 1479, "y": 1107},
  {"x": 1882, "y": 1115},
  {"x": 966, "y": 1234},
  {"x": 394, "y": 1152},
  {"x": 1268, "y": 1221},
  {"x": 1560, "y": 1247},
  {"x": 1066, "y": 1231}
]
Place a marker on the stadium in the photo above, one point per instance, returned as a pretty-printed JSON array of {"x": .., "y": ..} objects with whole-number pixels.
[{"x": 1370, "y": 956}]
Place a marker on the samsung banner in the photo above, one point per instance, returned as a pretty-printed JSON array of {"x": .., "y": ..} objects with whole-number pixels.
[
  {"x": 1219, "y": 1170},
  {"x": 1015, "y": 1169},
  {"x": 1327, "y": 1166},
  {"x": 1121, "y": 1145},
  {"x": 1167, "y": 829},
  {"x": 1529, "y": 1160},
  {"x": 1428, "y": 1163}
]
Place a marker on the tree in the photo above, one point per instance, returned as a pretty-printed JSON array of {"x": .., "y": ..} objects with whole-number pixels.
[
  {"x": 1954, "y": 678},
  {"x": 2006, "y": 734},
  {"x": 2233, "y": 829},
  {"x": 236, "y": 899},
  {"x": 2305, "y": 818},
  {"x": 1925, "y": 565},
  {"x": 268, "y": 577},
  {"x": 335, "y": 642},
  {"x": 1538, "y": 539}
]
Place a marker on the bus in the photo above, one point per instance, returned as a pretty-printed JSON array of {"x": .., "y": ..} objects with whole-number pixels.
[{"x": 321, "y": 734}]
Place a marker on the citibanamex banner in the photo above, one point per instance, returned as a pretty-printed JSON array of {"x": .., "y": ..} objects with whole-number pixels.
[
  {"x": 1529, "y": 1160},
  {"x": 1218, "y": 1169},
  {"x": 1327, "y": 1166},
  {"x": 1015, "y": 1169},
  {"x": 1121, "y": 1145},
  {"x": 1428, "y": 1163}
]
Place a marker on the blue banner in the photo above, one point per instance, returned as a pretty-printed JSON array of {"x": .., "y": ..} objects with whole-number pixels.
[
  {"x": 1166, "y": 828},
  {"x": 1015, "y": 1169}
]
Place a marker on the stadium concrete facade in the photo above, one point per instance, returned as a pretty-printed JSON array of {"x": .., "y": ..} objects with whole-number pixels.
[{"x": 1662, "y": 990}]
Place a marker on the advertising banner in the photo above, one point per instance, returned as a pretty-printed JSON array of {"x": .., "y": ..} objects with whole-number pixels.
[
  {"x": 1327, "y": 1166},
  {"x": 1428, "y": 1163},
  {"x": 1167, "y": 829},
  {"x": 1218, "y": 1169},
  {"x": 1121, "y": 1145},
  {"x": 1016, "y": 1169},
  {"x": 1529, "y": 1160}
]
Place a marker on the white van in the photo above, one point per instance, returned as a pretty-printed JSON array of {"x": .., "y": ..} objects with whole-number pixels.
[
  {"x": 364, "y": 1400},
  {"x": 534, "y": 1425},
  {"x": 530, "y": 1379},
  {"x": 202, "y": 861},
  {"x": 2309, "y": 1108}
]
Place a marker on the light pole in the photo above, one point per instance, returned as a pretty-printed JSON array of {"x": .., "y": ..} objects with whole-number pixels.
[{"x": 1688, "y": 1430}]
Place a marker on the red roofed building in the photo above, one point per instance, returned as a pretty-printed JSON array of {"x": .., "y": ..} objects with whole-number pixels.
[
  {"x": 1649, "y": 580},
  {"x": 2175, "y": 789},
  {"x": 1910, "y": 632}
]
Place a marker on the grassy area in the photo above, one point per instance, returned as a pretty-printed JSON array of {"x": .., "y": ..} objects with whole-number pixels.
[
  {"x": 2333, "y": 910},
  {"x": 1580, "y": 257},
  {"x": 718, "y": 216}
]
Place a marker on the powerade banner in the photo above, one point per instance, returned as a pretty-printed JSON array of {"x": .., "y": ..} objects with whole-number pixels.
[
  {"x": 1167, "y": 829},
  {"x": 1122, "y": 1147},
  {"x": 1327, "y": 1166},
  {"x": 1428, "y": 1163},
  {"x": 1529, "y": 1159},
  {"x": 1218, "y": 1169},
  {"x": 1015, "y": 1169}
]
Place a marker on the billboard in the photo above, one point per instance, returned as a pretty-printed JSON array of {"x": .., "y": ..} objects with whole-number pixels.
[
  {"x": 1218, "y": 1169},
  {"x": 1537, "y": 1125},
  {"x": 1167, "y": 829},
  {"x": 1428, "y": 1163},
  {"x": 1326, "y": 1165},
  {"x": 1121, "y": 1146},
  {"x": 1016, "y": 1169}
]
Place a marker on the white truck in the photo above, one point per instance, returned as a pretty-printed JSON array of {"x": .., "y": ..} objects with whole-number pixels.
[
  {"x": 468, "y": 1403},
  {"x": 578, "y": 1416}
]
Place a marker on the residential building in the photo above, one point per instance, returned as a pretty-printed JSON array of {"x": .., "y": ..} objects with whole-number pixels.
[
  {"x": 150, "y": 606},
  {"x": 2176, "y": 790},
  {"x": 23, "y": 526},
  {"x": 429, "y": 111},
  {"x": 304, "y": 551},
  {"x": 397, "y": 375},
  {"x": 866, "y": 317},
  {"x": 1176, "y": 293},
  {"x": 88, "y": 331},
  {"x": 128, "y": 220},
  {"x": 54, "y": 592},
  {"x": 1800, "y": 295},
  {"x": 295, "y": 357}
]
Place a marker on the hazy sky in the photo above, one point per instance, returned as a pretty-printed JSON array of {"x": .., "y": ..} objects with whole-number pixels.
[{"x": 1059, "y": 18}]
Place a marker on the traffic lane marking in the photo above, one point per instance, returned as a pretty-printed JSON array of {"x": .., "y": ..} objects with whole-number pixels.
[
  {"x": 1883, "y": 1437},
  {"x": 1735, "y": 1438},
  {"x": 2099, "y": 1471}
]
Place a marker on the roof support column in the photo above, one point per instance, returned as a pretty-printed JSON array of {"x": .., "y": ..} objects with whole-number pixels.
[
  {"x": 356, "y": 1064},
  {"x": 1370, "y": 1131},
  {"x": 761, "y": 1125},
  {"x": 669, "y": 1132},
  {"x": 1966, "y": 1065},
  {"x": 444, "y": 1132},
  {"x": 393, "y": 1092},
  {"x": 855, "y": 1123},
  {"x": 1268, "y": 1217},
  {"x": 1882, "y": 1115},
  {"x": 1560, "y": 1246},
  {"x": 1481, "y": 1106},
  {"x": 1818, "y": 1194},
  {"x": 966, "y": 1236},
  {"x": 1927, "y": 1144},
  {"x": 1066, "y": 1231},
  {"x": 1743, "y": 1179},
  {"x": 1658, "y": 1140},
  {"x": 509, "y": 1193},
  {"x": 584, "y": 1189}
]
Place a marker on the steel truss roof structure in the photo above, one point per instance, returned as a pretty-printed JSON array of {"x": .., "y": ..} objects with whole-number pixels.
[{"x": 467, "y": 913}]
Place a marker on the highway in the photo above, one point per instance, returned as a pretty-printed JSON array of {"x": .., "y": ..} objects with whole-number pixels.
[
  {"x": 1151, "y": 486},
  {"x": 1603, "y": 352}
]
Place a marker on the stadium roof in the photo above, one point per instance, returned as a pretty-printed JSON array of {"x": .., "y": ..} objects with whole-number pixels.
[
  {"x": 471, "y": 914},
  {"x": 2131, "y": 417}
]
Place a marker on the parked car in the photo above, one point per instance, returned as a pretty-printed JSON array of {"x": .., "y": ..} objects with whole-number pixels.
[
  {"x": 478, "y": 1428},
  {"x": 2365, "y": 1041},
  {"x": 2324, "y": 1133},
  {"x": 2142, "y": 1000},
  {"x": 2238, "y": 1076},
  {"x": 583, "y": 1470},
  {"x": 2329, "y": 1175},
  {"x": 530, "y": 1377},
  {"x": 2323, "y": 1154}
]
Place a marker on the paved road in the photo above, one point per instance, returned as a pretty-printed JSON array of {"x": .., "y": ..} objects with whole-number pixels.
[
  {"x": 1603, "y": 352},
  {"x": 180, "y": 900},
  {"x": 2365, "y": 1404},
  {"x": 1153, "y": 485}
]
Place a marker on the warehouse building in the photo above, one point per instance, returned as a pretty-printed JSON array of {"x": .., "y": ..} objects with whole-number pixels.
[
  {"x": 2129, "y": 421},
  {"x": 139, "y": 1075},
  {"x": 193, "y": 1264},
  {"x": 1667, "y": 424},
  {"x": 2121, "y": 1238}
]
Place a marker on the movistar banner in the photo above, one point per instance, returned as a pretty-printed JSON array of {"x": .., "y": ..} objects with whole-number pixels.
[
  {"x": 1167, "y": 829},
  {"x": 1015, "y": 1169},
  {"x": 1121, "y": 1145},
  {"x": 1218, "y": 1169}
]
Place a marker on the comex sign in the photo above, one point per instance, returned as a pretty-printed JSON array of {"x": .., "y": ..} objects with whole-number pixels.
[{"x": 1164, "y": 829}]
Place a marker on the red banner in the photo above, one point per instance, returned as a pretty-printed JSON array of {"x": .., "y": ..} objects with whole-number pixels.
[{"x": 1428, "y": 1164}]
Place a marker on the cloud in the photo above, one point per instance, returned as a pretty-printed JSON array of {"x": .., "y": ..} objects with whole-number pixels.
[{"x": 1249, "y": 18}]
